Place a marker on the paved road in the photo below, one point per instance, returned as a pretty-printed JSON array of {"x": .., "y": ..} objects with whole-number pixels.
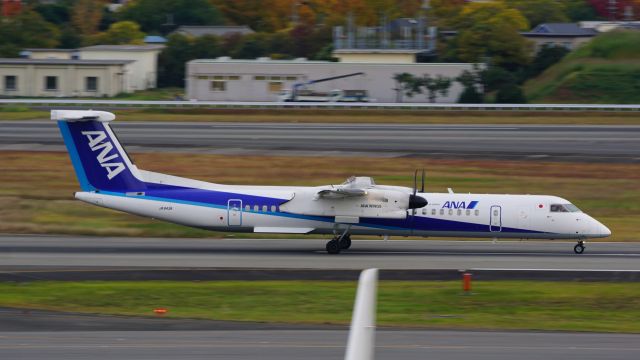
[
  {"x": 81, "y": 251},
  {"x": 309, "y": 344},
  {"x": 578, "y": 143}
]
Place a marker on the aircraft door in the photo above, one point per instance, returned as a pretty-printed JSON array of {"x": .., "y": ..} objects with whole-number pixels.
[
  {"x": 234, "y": 212},
  {"x": 495, "y": 223}
]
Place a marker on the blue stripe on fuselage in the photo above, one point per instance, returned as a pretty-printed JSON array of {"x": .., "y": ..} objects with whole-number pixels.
[{"x": 219, "y": 199}]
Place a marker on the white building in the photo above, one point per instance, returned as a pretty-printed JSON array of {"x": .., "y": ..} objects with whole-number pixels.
[
  {"x": 225, "y": 79},
  {"x": 144, "y": 68},
  {"x": 63, "y": 77},
  {"x": 138, "y": 68}
]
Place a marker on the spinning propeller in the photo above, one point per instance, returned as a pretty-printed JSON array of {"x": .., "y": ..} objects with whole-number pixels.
[{"x": 415, "y": 201}]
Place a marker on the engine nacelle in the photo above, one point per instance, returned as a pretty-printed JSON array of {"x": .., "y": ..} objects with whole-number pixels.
[{"x": 376, "y": 203}]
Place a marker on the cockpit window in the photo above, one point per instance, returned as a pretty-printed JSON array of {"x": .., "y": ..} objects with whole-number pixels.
[{"x": 564, "y": 208}]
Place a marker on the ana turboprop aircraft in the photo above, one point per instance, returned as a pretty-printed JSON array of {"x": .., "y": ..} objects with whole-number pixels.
[{"x": 109, "y": 179}]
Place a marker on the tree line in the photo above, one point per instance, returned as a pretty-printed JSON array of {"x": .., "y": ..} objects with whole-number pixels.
[{"x": 485, "y": 32}]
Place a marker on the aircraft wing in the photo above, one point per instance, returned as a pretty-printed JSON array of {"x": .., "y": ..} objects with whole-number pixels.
[{"x": 341, "y": 193}]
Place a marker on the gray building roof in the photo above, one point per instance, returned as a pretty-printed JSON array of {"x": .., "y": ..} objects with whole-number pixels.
[
  {"x": 213, "y": 30},
  {"x": 19, "y": 61},
  {"x": 122, "y": 48},
  {"x": 561, "y": 29},
  {"x": 50, "y": 50}
]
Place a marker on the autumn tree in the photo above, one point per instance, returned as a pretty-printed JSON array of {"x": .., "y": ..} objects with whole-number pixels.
[
  {"x": 444, "y": 13},
  {"x": 25, "y": 30},
  {"x": 545, "y": 58},
  {"x": 579, "y": 10},
  {"x": 122, "y": 32},
  {"x": 540, "y": 11},
  {"x": 163, "y": 16},
  {"x": 178, "y": 51},
  {"x": 491, "y": 32},
  {"x": 434, "y": 86},
  {"x": 54, "y": 13},
  {"x": 471, "y": 81},
  {"x": 86, "y": 15},
  {"x": 602, "y": 8}
]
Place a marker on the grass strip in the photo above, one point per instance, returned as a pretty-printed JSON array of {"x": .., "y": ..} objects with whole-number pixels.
[
  {"x": 531, "y": 305},
  {"x": 354, "y": 116}
]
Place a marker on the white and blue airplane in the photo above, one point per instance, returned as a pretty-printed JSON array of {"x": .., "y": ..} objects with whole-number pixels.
[{"x": 109, "y": 179}]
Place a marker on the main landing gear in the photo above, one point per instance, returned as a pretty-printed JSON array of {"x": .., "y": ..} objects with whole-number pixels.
[
  {"x": 579, "y": 248},
  {"x": 338, "y": 243}
]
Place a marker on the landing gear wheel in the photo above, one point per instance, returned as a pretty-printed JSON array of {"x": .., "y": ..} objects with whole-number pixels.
[
  {"x": 345, "y": 243},
  {"x": 579, "y": 248},
  {"x": 333, "y": 247}
]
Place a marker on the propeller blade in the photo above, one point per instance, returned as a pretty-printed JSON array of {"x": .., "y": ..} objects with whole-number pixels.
[
  {"x": 422, "y": 188},
  {"x": 415, "y": 182}
]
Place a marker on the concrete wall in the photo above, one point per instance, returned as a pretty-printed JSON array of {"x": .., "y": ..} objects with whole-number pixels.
[
  {"x": 63, "y": 55},
  {"x": 143, "y": 72},
  {"x": 71, "y": 79},
  {"x": 380, "y": 58},
  {"x": 248, "y": 80}
]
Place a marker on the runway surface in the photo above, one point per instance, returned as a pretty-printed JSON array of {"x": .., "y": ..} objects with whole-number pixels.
[
  {"x": 310, "y": 344},
  {"x": 52, "y": 335},
  {"x": 567, "y": 143},
  {"x": 21, "y": 252}
]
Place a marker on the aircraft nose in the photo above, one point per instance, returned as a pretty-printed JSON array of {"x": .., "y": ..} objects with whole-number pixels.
[{"x": 603, "y": 230}]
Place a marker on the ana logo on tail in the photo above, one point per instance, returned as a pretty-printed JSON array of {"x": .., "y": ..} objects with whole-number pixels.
[{"x": 97, "y": 142}]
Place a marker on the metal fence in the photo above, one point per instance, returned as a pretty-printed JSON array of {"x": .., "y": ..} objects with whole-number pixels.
[{"x": 133, "y": 104}]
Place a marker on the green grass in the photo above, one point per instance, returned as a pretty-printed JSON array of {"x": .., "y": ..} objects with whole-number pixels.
[
  {"x": 570, "y": 306},
  {"x": 170, "y": 93},
  {"x": 605, "y": 70}
]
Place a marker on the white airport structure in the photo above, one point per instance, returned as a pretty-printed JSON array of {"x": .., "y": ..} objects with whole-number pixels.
[
  {"x": 264, "y": 79},
  {"x": 93, "y": 71},
  {"x": 63, "y": 78}
]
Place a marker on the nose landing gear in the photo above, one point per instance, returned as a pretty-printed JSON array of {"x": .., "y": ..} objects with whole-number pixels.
[{"x": 579, "y": 248}]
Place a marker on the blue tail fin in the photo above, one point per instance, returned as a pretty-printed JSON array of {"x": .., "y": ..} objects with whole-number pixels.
[{"x": 99, "y": 160}]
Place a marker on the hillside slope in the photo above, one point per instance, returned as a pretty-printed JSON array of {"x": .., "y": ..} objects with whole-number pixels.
[{"x": 604, "y": 71}]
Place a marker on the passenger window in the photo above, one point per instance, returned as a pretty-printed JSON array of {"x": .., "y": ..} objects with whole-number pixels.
[
  {"x": 256, "y": 208},
  {"x": 450, "y": 211},
  {"x": 433, "y": 211},
  {"x": 441, "y": 211},
  {"x": 477, "y": 212},
  {"x": 495, "y": 212},
  {"x": 468, "y": 212},
  {"x": 273, "y": 208},
  {"x": 459, "y": 212},
  {"x": 264, "y": 208},
  {"x": 424, "y": 211},
  {"x": 247, "y": 208}
]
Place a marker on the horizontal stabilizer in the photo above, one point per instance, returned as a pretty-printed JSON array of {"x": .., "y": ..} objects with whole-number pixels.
[{"x": 82, "y": 115}]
